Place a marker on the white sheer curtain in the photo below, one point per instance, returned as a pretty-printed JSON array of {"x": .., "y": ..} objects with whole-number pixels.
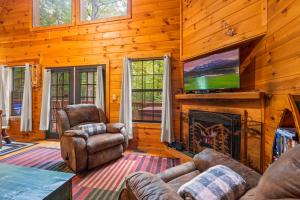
[
  {"x": 126, "y": 101},
  {"x": 166, "y": 121},
  {"x": 26, "y": 113},
  {"x": 100, "y": 96},
  {"x": 46, "y": 98},
  {"x": 5, "y": 91}
]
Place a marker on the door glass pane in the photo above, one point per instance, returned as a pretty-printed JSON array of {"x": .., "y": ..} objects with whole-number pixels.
[
  {"x": 87, "y": 86},
  {"x": 60, "y": 95}
]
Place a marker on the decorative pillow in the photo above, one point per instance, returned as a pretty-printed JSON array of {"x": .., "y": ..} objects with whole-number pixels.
[
  {"x": 93, "y": 129},
  {"x": 216, "y": 183}
]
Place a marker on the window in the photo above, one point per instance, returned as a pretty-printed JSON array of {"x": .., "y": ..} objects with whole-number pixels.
[
  {"x": 51, "y": 12},
  {"x": 17, "y": 90},
  {"x": 147, "y": 84},
  {"x": 91, "y": 10}
]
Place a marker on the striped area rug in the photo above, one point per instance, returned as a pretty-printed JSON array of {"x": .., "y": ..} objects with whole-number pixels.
[{"x": 102, "y": 183}]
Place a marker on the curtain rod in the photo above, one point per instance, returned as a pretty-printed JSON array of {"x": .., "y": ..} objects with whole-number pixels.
[
  {"x": 17, "y": 66},
  {"x": 146, "y": 59}
]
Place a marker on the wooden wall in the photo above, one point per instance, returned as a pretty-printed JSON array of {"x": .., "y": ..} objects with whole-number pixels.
[
  {"x": 152, "y": 31},
  {"x": 277, "y": 62},
  {"x": 209, "y": 25},
  {"x": 269, "y": 64}
]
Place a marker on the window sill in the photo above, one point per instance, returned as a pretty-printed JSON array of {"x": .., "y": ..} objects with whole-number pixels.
[
  {"x": 14, "y": 118},
  {"x": 146, "y": 125}
]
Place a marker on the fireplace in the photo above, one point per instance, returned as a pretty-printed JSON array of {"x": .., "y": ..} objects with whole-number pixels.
[{"x": 219, "y": 131}]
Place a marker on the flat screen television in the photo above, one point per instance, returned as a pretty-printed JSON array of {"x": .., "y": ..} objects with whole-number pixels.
[{"x": 214, "y": 72}]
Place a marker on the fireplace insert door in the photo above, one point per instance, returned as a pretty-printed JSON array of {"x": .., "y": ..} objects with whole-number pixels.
[{"x": 219, "y": 131}]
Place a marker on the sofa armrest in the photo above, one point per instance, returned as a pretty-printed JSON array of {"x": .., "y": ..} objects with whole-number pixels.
[
  {"x": 146, "y": 186},
  {"x": 177, "y": 171},
  {"x": 76, "y": 133}
]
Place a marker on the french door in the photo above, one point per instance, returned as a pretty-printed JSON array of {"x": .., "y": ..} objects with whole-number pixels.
[{"x": 72, "y": 85}]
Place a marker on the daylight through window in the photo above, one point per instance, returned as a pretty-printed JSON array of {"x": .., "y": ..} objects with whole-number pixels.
[
  {"x": 147, "y": 85},
  {"x": 52, "y": 12},
  {"x": 17, "y": 90},
  {"x": 91, "y": 10}
]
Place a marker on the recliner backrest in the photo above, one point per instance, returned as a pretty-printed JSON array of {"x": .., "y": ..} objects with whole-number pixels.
[{"x": 82, "y": 113}]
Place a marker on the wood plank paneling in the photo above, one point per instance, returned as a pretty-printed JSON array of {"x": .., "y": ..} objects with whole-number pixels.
[
  {"x": 152, "y": 31},
  {"x": 269, "y": 64},
  {"x": 205, "y": 24}
]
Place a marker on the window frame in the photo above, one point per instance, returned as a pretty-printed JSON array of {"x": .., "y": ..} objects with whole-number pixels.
[
  {"x": 111, "y": 19},
  {"x": 147, "y": 90},
  {"x": 13, "y": 90},
  {"x": 38, "y": 28},
  {"x": 76, "y": 21}
]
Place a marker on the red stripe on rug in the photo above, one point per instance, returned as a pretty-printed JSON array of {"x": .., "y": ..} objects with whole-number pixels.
[{"x": 108, "y": 177}]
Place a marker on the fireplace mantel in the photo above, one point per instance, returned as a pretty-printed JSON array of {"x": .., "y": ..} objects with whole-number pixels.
[{"x": 252, "y": 95}]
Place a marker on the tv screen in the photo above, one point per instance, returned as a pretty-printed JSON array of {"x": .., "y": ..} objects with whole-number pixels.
[{"x": 218, "y": 71}]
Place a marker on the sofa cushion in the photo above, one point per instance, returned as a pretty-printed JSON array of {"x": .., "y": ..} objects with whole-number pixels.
[
  {"x": 179, "y": 181},
  {"x": 209, "y": 158},
  {"x": 217, "y": 183},
  {"x": 99, "y": 142},
  {"x": 282, "y": 179},
  {"x": 93, "y": 128},
  {"x": 249, "y": 195},
  {"x": 82, "y": 113}
]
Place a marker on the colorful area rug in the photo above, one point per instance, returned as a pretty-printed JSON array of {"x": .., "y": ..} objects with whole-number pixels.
[
  {"x": 103, "y": 183},
  {"x": 12, "y": 147}
]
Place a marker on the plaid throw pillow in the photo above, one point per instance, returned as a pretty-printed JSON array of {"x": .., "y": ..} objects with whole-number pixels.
[
  {"x": 93, "y": 129},
  {"x": 217, "y": 183}
]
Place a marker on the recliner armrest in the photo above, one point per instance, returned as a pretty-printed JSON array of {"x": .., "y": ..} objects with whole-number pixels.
[
  {"x": 63, "y": 123},
  {"x": 118, "y": 128},
  {"x": 177, "y": 171},
  {"x": 147, "y": 186},
  {"x": 114, "y": 127},
  {"x": 76, "y": 133}
]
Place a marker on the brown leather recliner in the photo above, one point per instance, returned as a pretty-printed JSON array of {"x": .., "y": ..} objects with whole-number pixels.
[
  {"x": 280, "y": 181},
  {"x": 81, "y": 151}
]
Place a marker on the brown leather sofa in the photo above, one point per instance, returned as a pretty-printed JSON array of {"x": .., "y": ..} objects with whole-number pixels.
[
  {"x": 81, "y": 151},
  {"x": 280, "y": 181}
]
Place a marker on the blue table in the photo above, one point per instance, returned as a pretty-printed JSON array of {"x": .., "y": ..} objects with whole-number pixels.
[{"x": 24, "y": 183}]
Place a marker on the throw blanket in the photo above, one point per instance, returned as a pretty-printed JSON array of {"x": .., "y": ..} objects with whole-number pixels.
[{"x": 217, "y": 183}]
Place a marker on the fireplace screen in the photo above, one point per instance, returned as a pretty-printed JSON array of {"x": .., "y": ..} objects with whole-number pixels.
[{"x": 219, "y": 131}]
